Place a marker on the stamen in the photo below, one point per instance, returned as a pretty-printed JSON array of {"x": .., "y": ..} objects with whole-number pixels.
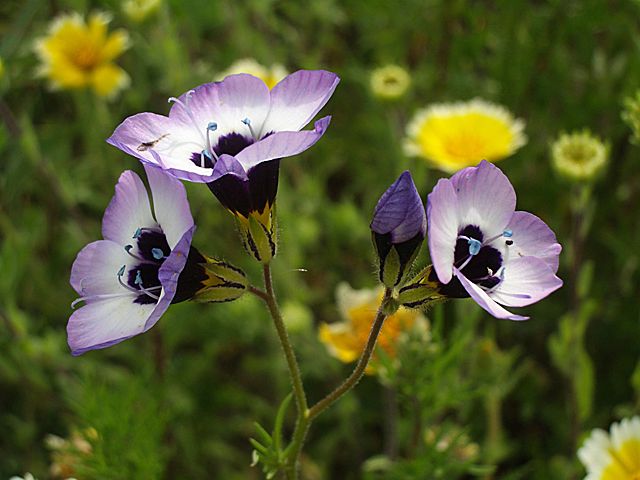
[
  {"x": 210, "y": 152},
  {"x": 474, "y": 246},
  {"x": 137, "y": 234},
  {"x": 157, "y": 253},
  {"x": 247, "y": 122},
  {"x": 138, "y": 280},
  {"x": 128, "y": 250},
  {"x": 507, "y": 233}
]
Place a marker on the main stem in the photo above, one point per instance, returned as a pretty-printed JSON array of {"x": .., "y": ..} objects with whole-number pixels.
[{"x": 302, "y": 421}]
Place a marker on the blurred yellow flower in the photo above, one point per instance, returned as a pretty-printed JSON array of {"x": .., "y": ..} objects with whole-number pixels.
[
  {"x": 614, "y": 455},
  {"x": 453, "y": 136},
  {"x": 631, "y": 115},
  {"x": 579, "y": 155},
  {"x": 139, "y": 10},
  {"x": 77, "y": 54},
  {"x": 269, "y": 75},
  {"x": 389, "y": 82},
  {"x": 345, "y": 340}
]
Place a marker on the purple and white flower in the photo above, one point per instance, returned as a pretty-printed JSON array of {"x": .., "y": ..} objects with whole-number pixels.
[
  {"x": 481, "y": 247},
  {"x": 399, "y": 225},
  {"x": 238, "y": 117},
  {"x": 129, "y": 279}
]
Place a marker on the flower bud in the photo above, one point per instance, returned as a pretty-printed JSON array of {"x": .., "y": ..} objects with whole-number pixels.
[
  {"x": 398, "y": 228},
  {"x": 390, "y": 82},
  {"x": 222, "y": 282},
  {"x": 421, "y": 291},
  {"x": 579, "y": 156}
]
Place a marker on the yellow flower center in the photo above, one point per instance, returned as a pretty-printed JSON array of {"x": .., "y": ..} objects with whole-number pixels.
[
  {"x": 86, "y": 57},
  {"x": 579, "y": 153},
  {"x": 626, "y": 462}
]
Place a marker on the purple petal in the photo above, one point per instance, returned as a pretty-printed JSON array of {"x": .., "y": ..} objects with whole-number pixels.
[
  {"x": 228, "y": 165},
  {"x": 442, "y": 217},
  {"x": 533, "y": 238},
  {"x": 298, "y": 98},
  {"x": 103, "y": 323},
  {"x": 168, "y": 275},
  {"x": 482, "y": 299},
  {"x": 170, "y": 204},
  {"x": 526, "y": 280},
  {"x": 400, "y": 211},
  {"x": 94, "y": 272},
  {"x": 486, "y": 198},
  {"x": 282, "y": 144},
  {"x": 227, "y": 103},
  {"x": 128, "y": 210}
]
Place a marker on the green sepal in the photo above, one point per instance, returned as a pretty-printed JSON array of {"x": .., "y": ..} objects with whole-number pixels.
[
  {"x": 420, "y": 292},
  {"x": 224, "y": 282},
  {"x": 390, "y": 269}
]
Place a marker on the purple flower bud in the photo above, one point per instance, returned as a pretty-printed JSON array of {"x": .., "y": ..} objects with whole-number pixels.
[{"x": 398, "y": 227}]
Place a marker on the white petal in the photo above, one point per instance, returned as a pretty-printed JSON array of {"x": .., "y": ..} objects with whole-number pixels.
[
  {"x": 170, "y": 204},
  {"x": 442, "y": 221},
  {"x": 95, "y": 269},
  {"x": 532, "y": 237},
  {"x": 526, "y": 280},
  {"x": 128, "y": 210},
  {"x": 104, "y": 323}
]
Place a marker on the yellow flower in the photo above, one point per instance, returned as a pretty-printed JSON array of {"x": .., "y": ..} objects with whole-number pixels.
[
  {"x": 631, "y": 115},
  {"x": 345, "y": 340},
  {"x": 270, "y": 76},
  {"x": 389, "y": 82},
  {"x": 458, "y": 135},
  {"x": 613, "y": 456},
  {"x": 139, "y": 10},
  {"x": 78, "y": 54},
  {"x": 579, "y": 155}
]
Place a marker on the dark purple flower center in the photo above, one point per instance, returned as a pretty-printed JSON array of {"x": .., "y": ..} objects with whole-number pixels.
[
  {"x": 153, "y": 249},
  {"x": 481, "y": 268}
]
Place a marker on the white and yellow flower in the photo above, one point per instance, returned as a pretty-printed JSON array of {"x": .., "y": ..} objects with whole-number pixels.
[
  {"x": 389, "y": 82},
  {"x": 579, "y": 155},
  {"x": 269, "y": 75},
  {"x": 452, "y": 136},
  {"x": 614, "y": 455},
  {"x": 139, "y": 10},
  {"x": 78, "y": 54},
  {"x": 346, "y": 339}
]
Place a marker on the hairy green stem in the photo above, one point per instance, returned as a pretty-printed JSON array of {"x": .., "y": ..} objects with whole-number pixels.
[{"x": 357, "y": 373}]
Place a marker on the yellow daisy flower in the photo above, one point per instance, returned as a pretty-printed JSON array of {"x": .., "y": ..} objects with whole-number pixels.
[
  {"x": 614, "y": 455},
  {"x": 269, "y": 75},
  {"x": 458, "y": 135},
  {"x": 77, "y": 54},
  {"x": 345, "y": 340},
  {"x": 579, "y": 155},
  {"x": 389, "y": 82}
]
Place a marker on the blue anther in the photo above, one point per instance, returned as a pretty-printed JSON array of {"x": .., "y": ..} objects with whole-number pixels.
[
  {"x": 128, "y": 248},
  {"x": 246, "y": 121},
  {"x": 157, "y": 253},
  {"x": 507, "y": 233},
  {"x": 474, "y": 246},
  {"x": 137, "y": 233},
  {"x": 121, "y": 271},
  {"x": 207, "y": 154},
  {"x": 138, "y": 280},
  {"x": 212, "y": 127}
]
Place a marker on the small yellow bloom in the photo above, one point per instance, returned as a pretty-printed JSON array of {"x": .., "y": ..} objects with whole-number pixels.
[
  {"x": 579, "y": 155},
  {"x": 139, "y": 10},
  {"x": 614, "y": 455},
  {"x": 78, "y": 54},
  {"x": 389, "y": 82},
  {"x": 458, "y": 135},
  {"x": 269, "y": 75},
  {"x": 346, "y": 339}
]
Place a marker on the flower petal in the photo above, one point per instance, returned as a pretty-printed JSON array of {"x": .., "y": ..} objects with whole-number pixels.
[
  {"x": 532, "y": 237},
  {"x": 227, "y": 103},
  {"x": 486, "y": 198},
  {"x": 94, "y": 272},
  {"x": 442, "y": 219},
  {"x": 169, "y": 274},
  {"x": 282, "y": 144},
  {"x": 103, "y": 323},
  {"x": 164, "y": 142},
  {"x": 298, "y": 98},
  {"x": 230, "y": 185},
  {"x": 486, "y": 302},
  {"x": 400, "y": 211},
  {"x": 526, "y": 281},
  {"x": 170, "y": 204},
  {"x": 107, "y": 79},
  {"x": 128, "y": 210}
]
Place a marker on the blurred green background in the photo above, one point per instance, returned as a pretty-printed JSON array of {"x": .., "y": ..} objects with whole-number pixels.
[{"x": 179, "y": 401}]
